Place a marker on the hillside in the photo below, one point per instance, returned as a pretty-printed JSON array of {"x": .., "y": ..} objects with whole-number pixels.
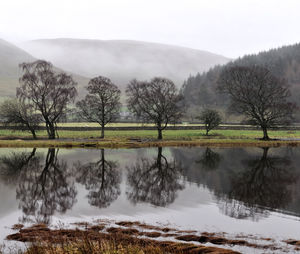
[
  {"x": 200, "y": 90},
  {"x": 124, "y": 60},
  {"x": 10, "y": 58}
]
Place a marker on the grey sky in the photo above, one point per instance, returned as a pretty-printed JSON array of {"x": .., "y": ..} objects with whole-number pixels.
[{"x": 228, "y": 27}]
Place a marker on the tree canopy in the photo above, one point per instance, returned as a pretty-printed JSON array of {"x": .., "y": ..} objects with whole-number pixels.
[
  {"x": 256, "y": 93},
  {"x": 20, "y": 114},
  {"x": 49, "y": 92},
  {"x": 102, "y": 103},
  {"x": 157, "y": 101}
]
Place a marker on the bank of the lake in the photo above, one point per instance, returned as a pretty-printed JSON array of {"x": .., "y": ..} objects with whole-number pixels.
[{"x": 147, "y": 138}]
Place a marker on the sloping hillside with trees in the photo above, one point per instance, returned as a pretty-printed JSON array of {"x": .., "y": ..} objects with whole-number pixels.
[{"x": 201, "y": 90}]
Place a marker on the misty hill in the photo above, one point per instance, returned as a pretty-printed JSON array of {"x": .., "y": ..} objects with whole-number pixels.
[
  {"x": 10, "y": 58},
  {"x": 121, "y": 60},
  {"x": 200, "y": 90}
]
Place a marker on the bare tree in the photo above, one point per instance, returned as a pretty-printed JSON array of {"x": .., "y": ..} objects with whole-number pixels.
[
  {"x": 102, "y": 104},
  {"x": 210, "y": 118},
  {"x": 259, "y": 95},
  {"x": 50, "y": 93},
  {"x": 156, "y": 101},
  {"x": 20, "y": 114}
]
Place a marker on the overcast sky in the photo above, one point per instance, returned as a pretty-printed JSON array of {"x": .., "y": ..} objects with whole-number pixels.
[{"x": 228, "y": 27}]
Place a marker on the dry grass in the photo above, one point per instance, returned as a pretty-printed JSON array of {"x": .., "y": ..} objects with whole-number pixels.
[
  {"x": 90, "y": 240},
  {"x": 91, "y": 247}
]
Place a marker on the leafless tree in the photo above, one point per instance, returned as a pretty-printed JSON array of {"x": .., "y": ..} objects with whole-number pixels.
[
  {"x": 210, "y": 118},
  {"x": 156, "y": 101},
  {"x": 50, "y": 93},
  {"x": 20, "y": 114},
  {"x": 102, "y": 104},
  {"x": 259, "y": 95}
]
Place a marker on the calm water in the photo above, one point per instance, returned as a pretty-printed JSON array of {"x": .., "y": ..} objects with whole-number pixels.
[{"x": 249, "y": 190}]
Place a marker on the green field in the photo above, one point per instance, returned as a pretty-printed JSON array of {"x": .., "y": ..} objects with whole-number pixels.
[
  {"x": 152, "y": 134},
  {"x": 86, "y": 124}
]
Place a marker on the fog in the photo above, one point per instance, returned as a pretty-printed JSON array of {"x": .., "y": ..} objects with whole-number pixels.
[
  {"x": 231, "y": 28},
  {"x": 124, "y": 60}
]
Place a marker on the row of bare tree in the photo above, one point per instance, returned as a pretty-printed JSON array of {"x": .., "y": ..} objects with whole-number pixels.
[{"x": 45, "y": 96}]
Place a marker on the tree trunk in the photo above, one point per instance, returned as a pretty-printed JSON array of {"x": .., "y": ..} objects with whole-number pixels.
[
  {"x": 207, "y": 132},
  {"x": 32, "y": 130},
  {"x": 50, "y": 130},
  {"x": 33, "y": 134},
  {"x": 265, "y": 131},
  {"x": 102, "y": 131},
  {"x": 159, "y": 134}
]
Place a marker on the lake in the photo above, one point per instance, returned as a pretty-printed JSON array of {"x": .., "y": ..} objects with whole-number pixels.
[{"x": 250, "y": 191}]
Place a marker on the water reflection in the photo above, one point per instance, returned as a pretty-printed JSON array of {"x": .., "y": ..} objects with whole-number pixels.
[
  {"x": 209, "y": 160},
  {"x": 244, "y": 183},
  {"x": 101, "y": 179},
  {"x": 44, "y": 185},
  {"x": 12, "y": 165},
  {"x": 155, "y": 181},
  {"x": 264, "y": 182}
]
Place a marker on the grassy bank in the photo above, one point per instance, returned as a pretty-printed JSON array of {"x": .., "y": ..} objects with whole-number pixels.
[{"x": 147, "y": 138}]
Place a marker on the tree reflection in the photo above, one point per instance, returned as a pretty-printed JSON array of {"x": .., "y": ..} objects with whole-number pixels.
[
  {"x": 101, "y": 179},
  {"x": 154, "y": 181},
  {"x": 44, "y": 188},
  {"x": 264, "y": 183},
  {"x": 11, "y": 165},
  {"x": 209, "y": 160}
]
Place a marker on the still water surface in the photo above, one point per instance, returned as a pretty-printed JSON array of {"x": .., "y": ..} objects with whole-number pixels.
[{"x": 236, "y": 190}]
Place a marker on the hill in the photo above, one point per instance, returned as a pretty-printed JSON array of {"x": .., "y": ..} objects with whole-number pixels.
[
  {"x": 122, "y": 60},
  {"x": 200, "y": 90},
  {"x": 10, "y": 58}
]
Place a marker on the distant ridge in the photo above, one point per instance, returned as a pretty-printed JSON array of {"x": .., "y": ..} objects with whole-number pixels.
[
  {"x": 10, "y": 58},
  {"x": 123, "y": 60}
]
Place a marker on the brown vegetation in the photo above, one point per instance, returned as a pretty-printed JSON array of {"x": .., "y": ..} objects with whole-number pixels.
[
  {"x": 130, "y": 237},
  {"x": 47, "y": 240}
]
